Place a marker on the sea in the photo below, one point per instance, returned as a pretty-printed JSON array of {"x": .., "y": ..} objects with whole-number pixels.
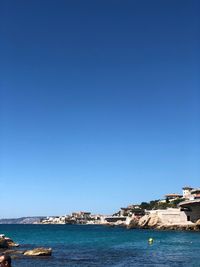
[{"x": 92, "y": 245}]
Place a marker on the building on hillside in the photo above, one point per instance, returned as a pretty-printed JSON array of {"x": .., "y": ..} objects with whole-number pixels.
[
  {"x": 170, "y": 216},
  {"x": 162, "y": 201},
  {"x": 81, "y": 215},
  {"x": 114, "y": 219},
  {"x": 187, "y": 192},
  {"x": 131, "y": 210},
  {"x": 172, "y": 197},
  {"x": 191, "y": 209},
  {"x": 195, "y": 193}
]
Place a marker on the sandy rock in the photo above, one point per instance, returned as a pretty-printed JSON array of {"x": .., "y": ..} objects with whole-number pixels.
[
  {"x": 133, "y": 223},
  {"x": 39, "y": 252},
  {"x": 120, "y": 223},
  {"x": 197, "y": 223},
  {"x": 153, "y": 221},
  {"x": 143, "y": 222},
  {"x": 13, "y": 251}
]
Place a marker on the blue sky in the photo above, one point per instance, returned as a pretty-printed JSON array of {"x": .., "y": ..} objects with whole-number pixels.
[{"x": 99, "y": 104}]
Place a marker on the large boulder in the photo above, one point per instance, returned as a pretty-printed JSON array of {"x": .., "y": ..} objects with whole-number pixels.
[
  {"x": 3, "y": 243},
  {"x": 11, "y": 243},
  {"x": 13, "y": 251},
  {"x": 197, "y": 225},
  {"x": 15, "y": 254},
  {"x": 133, "y": 223},
  {"x": 143, "y": 221},
  {"x": 39, "y": 252},
  {"x": 6, "y": 242},
  {"x": 149, "y": 221},
  {"x": 154, "y": 220}
]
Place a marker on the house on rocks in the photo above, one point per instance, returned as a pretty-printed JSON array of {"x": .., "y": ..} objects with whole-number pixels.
[
  {"x": 191, "y": 208},
  {"x": 172, "y": 197},
  {"x": 187, "y": 192},
  {"x": 170, "y": 216},
  {"x": 187, "y": 211},
  {"x": 131, "y": 210}
]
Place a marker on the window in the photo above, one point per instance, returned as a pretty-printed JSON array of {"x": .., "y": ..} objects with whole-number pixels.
[{"x": 188, "y": 218}]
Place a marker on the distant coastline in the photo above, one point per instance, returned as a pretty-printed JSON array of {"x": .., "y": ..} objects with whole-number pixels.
[{"x": 22, "y": 220}]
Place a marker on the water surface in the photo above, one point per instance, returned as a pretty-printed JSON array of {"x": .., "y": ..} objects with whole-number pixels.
[{"x": 84, "y": 245}]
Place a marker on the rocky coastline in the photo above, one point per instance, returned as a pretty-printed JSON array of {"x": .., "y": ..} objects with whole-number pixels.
[
  {"x": 147, "y": 221},
  {"x": 9, "y": 247},
  {"x": 175, "y": 212},
  {"x": 153, "y": 222}
]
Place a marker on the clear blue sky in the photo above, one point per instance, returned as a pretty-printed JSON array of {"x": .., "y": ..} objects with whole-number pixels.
[{"x": 99, "y": 103}]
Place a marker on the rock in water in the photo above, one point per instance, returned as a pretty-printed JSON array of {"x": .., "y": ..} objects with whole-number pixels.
[
  {"x": 3, "y": 243},
  {"x": 39, "y": 252},
  {"x": 11, "y": 243},
  {"x": 6, "y": 242}
]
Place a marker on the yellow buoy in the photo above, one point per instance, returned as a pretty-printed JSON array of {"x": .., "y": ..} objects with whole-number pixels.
[{"x": 150, "y": 241}]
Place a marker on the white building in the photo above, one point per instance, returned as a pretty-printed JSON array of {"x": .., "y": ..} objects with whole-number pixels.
[
  {"x": 187, "y": 192},
  {"x": 171, "y": 216}
]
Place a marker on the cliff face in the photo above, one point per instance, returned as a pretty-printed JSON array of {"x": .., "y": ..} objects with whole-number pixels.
[
  {"x": 149, "y": 221},
  {"x": 146, "y": 221}
]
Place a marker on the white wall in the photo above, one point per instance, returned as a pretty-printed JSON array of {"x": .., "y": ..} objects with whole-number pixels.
[{"x": 172, "y": 216}]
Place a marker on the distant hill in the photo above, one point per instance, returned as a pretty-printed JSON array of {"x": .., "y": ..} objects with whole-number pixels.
[{"x": 23, "y": 220}]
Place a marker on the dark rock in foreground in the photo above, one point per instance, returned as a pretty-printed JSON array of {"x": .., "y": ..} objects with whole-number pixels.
[{"x": 6, "y": 242}]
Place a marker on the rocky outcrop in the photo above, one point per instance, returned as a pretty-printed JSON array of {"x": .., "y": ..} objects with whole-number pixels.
[
  {"x": 7, "y": 246},
  {"x": 39, "y": 252},
  {"x": 177, "y": 227},
  {"x": 133, "y": 223},
  {"x": 146, "y": 221},
  {"x": 6, "y": 242},
  {"x": 13, "y": 251},
  {"x": 3, "y": 243},
  {"x": 197, "y": 225},
  {"x": 143, "y": 222},
  {"x": 152, "y": 221},
  {"x": 11, "y": 243}
]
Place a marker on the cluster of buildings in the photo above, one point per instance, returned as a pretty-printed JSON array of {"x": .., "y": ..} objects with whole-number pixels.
[
  {"x": 189, "y": 205},
  {"x": 81, "y": 217},
  {"x": 186, "y": 211},
  {"x": 189, "y": 193}
]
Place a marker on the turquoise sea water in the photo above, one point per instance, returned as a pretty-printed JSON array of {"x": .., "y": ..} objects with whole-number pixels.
[{"x": 86, "y": 245}]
